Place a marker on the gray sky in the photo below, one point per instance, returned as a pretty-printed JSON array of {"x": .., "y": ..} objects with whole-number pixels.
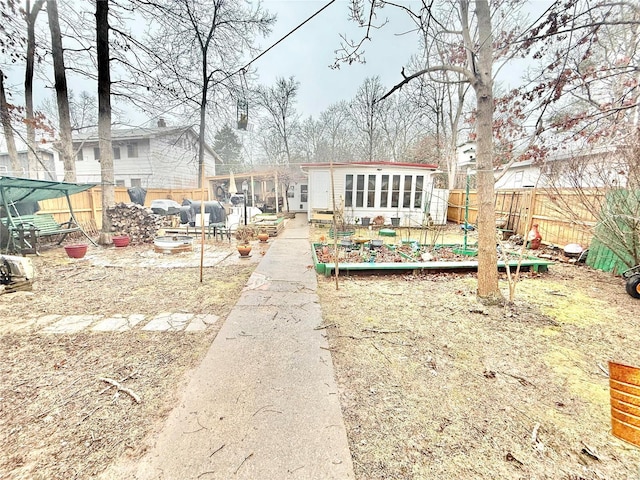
[{"x": 308, "y": 53}]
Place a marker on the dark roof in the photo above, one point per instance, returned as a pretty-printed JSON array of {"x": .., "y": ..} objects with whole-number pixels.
[{"x": 132, "y": 133}]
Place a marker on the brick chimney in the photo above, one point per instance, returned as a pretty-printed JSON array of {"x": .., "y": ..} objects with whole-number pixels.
[{"x": 161, "y": 123}]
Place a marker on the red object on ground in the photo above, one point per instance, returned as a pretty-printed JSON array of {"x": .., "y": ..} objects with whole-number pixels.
[
  {"x": 121, "y": 241},
  {"x": 534, "y": 237},
  {"x": 76, "y": 251}
]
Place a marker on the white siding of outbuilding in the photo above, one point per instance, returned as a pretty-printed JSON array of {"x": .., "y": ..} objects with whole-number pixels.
[{"x": 435, "y": 200}]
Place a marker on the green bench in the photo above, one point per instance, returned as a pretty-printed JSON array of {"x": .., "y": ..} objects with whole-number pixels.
[{"x": 23, "y": 228}]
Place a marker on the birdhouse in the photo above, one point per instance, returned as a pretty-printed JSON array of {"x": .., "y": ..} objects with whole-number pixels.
[{"x": 243, "y": 113}]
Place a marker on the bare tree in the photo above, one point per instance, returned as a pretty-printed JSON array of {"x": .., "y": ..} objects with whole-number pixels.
[
  {"x": 198, "y": 47},
  {"x": 282, "y": 125},
  {"x": 5, "y": 117},
  {"x": 83, "y": 110},
  {"x": 64, "y": 117},
  {"x": 31, "y": 14},
  {"x": 401, "y": 125},
  {"x": 104, "y": 118},
  {"x": 365, "y": 109},
  {"x": 337, "y": 127},
  {"x": 586, "y": 99},
  {"x": 311, "y": 139},
  {"x": 469, "y": 38}
]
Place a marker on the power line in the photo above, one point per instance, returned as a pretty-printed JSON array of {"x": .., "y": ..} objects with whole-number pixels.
[
  {"x": 244, "y": 68},
  {"x": 283, "y": 38}
]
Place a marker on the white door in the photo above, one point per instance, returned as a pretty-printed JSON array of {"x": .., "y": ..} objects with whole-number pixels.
[{"x": 319, "y": 190}]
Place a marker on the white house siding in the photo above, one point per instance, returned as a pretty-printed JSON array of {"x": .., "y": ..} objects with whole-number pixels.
[
  {"x": 412, "y": 200},
  {"x": 162, "y": 161},
  {"x": 175, "y": 161},
  {"x": 298, "y": 196},
  {"x": 521, "y": 176}
]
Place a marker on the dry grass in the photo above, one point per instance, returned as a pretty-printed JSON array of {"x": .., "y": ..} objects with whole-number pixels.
[
  {"x": 58, "y": 420},
  {"x": 436, "y": 385},
  {"x": 433, "y": 384}
]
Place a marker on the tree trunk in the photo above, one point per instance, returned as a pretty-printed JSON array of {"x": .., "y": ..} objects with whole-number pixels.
[
  {"x": 62, "y": 96},
  {"x": 487, "y": 255},
  {"x": 203, "y": 111},
  {"x": 104, "y": 118},
  {"x": 30, "y": 16},
  {"x": 16, "y": 167}
]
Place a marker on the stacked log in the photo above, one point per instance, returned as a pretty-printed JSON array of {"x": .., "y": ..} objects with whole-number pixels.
[{"x": 136, "y": 221}]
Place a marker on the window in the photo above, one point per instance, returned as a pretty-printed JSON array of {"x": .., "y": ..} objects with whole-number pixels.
[
  {"x": 116, "y": 153},
  {"x": 406, "y": 194},
  {"x": 384, "y": 191},
  {"x": 348, "y": 191},
  {"x": 395, "y": 192},
  {"x": 96, "y": 153},
  {"x": 79, "y": 156},
  {"x": 132, "y": 150},
  {"x": 517, "y": 180},
  {"x": 119, "y": 183},
  {"x": 304, "y": 190},
  {"x": 417, "y": 196},
  {"x": 371, "y": 191},
  {"x": 136, "y": 182},
  {"x": 360, "y": 191},
  {"x": 291, "y": 191}
]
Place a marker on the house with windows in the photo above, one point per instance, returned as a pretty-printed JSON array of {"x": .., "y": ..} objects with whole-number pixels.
[
  {"x": 594, "y": 168},
  {"x": 411, "y": 192},
  {"x": 159, "y": 157},
  {"x": 45, "y": 166}
]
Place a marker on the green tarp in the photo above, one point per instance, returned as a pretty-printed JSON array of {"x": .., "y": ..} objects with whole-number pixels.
[
  {"x": 615, "y": 246},
  {"x": 19, "y": 190}
]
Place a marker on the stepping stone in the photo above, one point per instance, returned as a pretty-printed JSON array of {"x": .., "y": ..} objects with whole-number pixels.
[
  {"x": 118, "y": 323},
  {"x": 71, "y": 324},
  {"x": 173, "y": 322},
  {"x": 200, "y": 322}
]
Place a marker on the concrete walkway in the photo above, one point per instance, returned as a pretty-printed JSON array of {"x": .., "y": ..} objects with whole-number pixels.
[{"x": 263, "y": 404}]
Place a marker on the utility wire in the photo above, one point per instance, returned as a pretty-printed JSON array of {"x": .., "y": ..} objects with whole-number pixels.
[{"x": 244, "y": 68}]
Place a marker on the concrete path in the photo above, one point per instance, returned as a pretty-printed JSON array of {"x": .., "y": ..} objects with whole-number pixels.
[{"x": 263, "y": 404}]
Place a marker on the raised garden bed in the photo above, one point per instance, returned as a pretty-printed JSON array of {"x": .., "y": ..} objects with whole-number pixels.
[{"x": 409, "y": 256}]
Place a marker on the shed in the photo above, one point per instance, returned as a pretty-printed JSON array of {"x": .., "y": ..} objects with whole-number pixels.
[{"x": 406, "y": 191}]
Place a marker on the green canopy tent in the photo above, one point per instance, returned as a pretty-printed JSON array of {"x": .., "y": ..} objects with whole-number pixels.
[{"x": 15, "y": 192}]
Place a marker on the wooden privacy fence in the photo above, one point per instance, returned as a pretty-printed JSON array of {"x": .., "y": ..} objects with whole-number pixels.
[
  {"x": 87, "y": 205},
  {"x": 561, "y": 216}
]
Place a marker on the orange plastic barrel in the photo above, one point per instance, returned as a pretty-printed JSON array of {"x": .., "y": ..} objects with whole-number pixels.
[{"x": 624, "y": 383}]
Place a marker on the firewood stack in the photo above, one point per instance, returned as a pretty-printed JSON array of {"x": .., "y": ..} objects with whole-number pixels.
[{"x": 136, "y": 221}]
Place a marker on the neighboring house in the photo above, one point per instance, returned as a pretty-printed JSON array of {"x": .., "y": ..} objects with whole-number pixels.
[
  {"x": 601, "y": 167},
  {"x": 46, "y": 168},
  {"x": 369, "y": 189},
  {"x": 160, "y": 157}
]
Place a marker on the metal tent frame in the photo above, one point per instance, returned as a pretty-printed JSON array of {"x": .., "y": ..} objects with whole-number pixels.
[{"x": 14, "y": 190}]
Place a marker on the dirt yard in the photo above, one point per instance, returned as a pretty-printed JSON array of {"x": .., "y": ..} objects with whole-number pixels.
[{"x": 433, "y": 384}]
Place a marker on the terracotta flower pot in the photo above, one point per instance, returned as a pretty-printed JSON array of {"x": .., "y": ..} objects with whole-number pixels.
[
  {"x": 121, "y": 240},
  {"x": 263, "y": 237},
  {"x": 244, "y": 250},
  {"x": 76, "y": 251}
]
